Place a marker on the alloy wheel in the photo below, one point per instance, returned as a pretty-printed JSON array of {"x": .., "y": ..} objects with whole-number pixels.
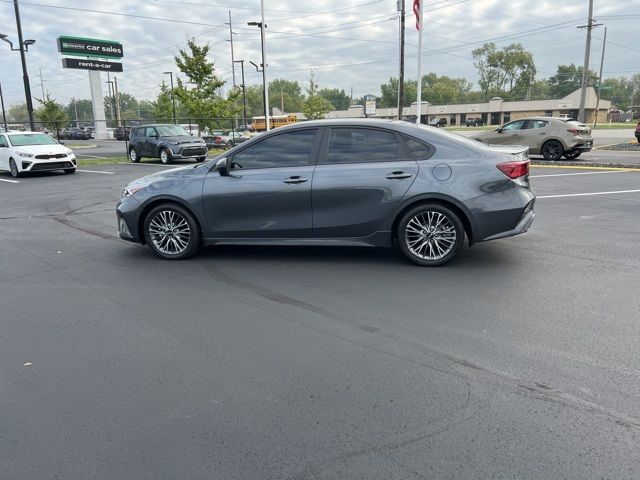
[
  {"x": 430, "y": 235},
  {"x": 170, "y": 232},
  {"x": 13, "y": 168}
]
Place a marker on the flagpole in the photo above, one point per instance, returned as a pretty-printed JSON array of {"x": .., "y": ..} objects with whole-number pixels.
[{"x": 419, "y": 26}]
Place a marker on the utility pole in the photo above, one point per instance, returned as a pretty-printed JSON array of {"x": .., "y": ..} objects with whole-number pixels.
[
  {"x": 25, "y": 75},
  {"x": 173, "y": 98},
  {"x": 244, "y": 93},
  {"x": 4, "y": 114},
  {"x": 281, "y": 100},
  {"x": 585, "y": 71},
  {"x": 401, "y": 7},
  {"x": 41, "y": 83},
  {"x": 117, "y": 97},
  {"x": 233, "y": 63},
  {"x": 604, "y": 45},
  {"x": 264, "y": 67}
]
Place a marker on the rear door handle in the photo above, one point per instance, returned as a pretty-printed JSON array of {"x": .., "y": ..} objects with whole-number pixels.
[
  {"x": 295, "y": 179},
  {"x": 398, "y": 175}
]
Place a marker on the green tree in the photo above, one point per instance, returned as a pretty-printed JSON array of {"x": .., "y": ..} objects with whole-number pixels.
[
  {"x": 199, "y": 93},
  {"x": 337, "y": 97},
  {"x": 285, "y": 93},
  {"x": 619, "y": 90},
  {"x": 84, "y": 107},
  {"x": 162, "y": 107},
  {"x": 255, "y": 106},
  {"x": 52, "y": 115},
  {"x": 315, "y": 106},
  {"x": 18, "y": 113},
  {"x": 507, "y": 72},
  {"x": 441, "y": 90},
  {"x": 539, "y": 90},
  {"x": 389, "y": 91},
  {"x": 568, "y": 79}
]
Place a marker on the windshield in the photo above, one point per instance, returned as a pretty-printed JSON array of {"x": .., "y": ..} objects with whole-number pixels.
[
  {"x": 172, "y": 131},
  {"x": 31, "y": 139}
]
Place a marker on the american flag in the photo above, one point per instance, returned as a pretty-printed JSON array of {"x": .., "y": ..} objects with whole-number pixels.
[{"x": 416, "y": 11}]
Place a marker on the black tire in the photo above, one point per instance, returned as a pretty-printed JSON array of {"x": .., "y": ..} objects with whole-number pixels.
[
  {"x": 165, "y": 155},
  {"x": 154, "y": 240},
  {"x": 552, "y": 150},
  {"x": 572, "y": 155},
  {"x": 69, "y": 171},
  {"x": 230, "y": 144},
  {"x": 133, "y": 155},
  {"x": 200, "y": 159},
  {"x": 13, "y": 168},
  {"x": 452, "y": 237}
]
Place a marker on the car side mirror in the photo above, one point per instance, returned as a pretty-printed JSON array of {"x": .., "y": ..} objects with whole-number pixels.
[
  {"x": 499, "y": 130},
  {"x": 222, "y": 167}
]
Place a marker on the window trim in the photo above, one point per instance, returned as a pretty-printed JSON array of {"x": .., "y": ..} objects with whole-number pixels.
[
  {"x": 327, "y": 139},
  {"x": 314, "y": 152}
]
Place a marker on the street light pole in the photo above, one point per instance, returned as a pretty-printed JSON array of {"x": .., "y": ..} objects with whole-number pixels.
[
  {"x": 244, "y": 92},
  {"x": 265, "y": 85},
  {"x": 173, "y": 98},
  {"x": 25, "y": 75},
  {"x": 585, "y": 69},
  {"x": 4, "y": 114}
]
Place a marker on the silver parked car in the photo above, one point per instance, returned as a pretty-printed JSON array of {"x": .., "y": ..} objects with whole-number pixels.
[
  {"x": 349, "y": 182},
  {"x": 547, "y": 136}
]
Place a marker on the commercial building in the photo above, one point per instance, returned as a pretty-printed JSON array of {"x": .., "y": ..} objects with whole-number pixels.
[{"x": 494, "y": 112}]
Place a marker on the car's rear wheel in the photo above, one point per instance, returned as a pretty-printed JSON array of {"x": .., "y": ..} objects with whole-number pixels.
[
  {"x": 430, "y": 234},
  {"x": 172, "y": 232},
  {"x": 572, "y": 155},
  {"x": 69, "y": 171},
  {"x": 552, "y": 150},
  {"x": 165, "y": 156},
  {"x": 13, "y": 168},
  {"x": 133, "y": 155}
]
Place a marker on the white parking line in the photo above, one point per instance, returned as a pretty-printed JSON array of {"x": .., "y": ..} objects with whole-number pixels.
[
  {"x": 9, "y": 181},
  {"x": 95, "y": 171},
  {"x": 587, "y": 194},
  {"x": 571, "y": 174}
]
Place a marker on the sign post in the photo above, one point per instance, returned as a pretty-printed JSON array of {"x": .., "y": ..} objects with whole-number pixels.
[{"x": 92, "y": 51}]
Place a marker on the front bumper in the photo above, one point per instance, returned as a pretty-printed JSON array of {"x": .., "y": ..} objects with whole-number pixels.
[
  {"x": 128, "y": 215},
  {"x": 30, "y": 164},
  {"x": 189, "y": 151}
]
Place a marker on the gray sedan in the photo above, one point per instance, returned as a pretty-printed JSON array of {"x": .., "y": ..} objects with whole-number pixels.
[{"x": 338, "y": 182}]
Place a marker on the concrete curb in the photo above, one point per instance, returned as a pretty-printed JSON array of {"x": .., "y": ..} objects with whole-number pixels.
[{"x": 571, "y": 164}]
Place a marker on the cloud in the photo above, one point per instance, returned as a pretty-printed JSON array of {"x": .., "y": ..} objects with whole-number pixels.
[{"x": 346, "y": 47}]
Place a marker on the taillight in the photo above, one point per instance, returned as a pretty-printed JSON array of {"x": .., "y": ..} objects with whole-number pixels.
[
  {"x": 514, "y": 169},
  {"x": 575, "y": 131}
]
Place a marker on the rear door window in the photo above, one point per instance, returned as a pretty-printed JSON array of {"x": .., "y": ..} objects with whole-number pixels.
[{"x": 362, "y": 145}]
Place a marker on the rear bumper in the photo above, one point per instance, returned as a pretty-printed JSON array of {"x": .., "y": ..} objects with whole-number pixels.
[{"x": 522, "y": 226}]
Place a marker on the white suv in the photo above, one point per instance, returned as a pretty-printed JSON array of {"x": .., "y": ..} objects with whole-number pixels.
[{"x": 22, "y": 152}]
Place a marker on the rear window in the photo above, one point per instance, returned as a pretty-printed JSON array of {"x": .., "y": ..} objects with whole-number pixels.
[{"x": 419, "y": 150}]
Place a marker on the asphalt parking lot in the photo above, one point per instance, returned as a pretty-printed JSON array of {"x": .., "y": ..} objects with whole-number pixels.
[{"x": 518, "y": 360}]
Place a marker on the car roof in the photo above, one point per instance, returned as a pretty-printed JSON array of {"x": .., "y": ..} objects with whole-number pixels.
[{"x": 13, "y": 132}]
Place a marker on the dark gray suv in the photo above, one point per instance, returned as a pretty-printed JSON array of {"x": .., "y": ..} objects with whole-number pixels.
[
  {"x": 337, "y": 182},
  {"x": 166, "y": 142}
]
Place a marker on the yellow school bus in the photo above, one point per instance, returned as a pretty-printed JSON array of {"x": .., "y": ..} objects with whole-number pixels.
[{"x": 259, "y": 125}]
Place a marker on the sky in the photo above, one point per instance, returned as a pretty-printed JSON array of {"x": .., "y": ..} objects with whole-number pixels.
[{"x": 348, "y": 43}]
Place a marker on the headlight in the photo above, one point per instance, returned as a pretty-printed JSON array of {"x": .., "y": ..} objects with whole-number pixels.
[
  {"x": 25, "y": 154},
  {"x": 130, "y": 190}
]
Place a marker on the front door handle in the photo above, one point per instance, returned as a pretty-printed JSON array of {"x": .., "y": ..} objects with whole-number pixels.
[
  {"x": 398, "y": 175},
  {"x": 295, "y": 179}
]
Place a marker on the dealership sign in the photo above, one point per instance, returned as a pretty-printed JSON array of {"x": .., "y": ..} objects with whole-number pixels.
[
  {"x": 99, "y": 65},
  {"x": 89, "y": 47},
  {"x": 369, "y": 105}
]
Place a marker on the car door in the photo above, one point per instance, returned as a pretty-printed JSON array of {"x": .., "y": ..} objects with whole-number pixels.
[
  {"x": 149, "y": 142},
  {"x": 362, "y": 175},
  {"x": 4, "y": 153},
  {"x": 508, "y": 134},
  {"x": 267, "y": 191},
  {"x": 535, "y": 133}
]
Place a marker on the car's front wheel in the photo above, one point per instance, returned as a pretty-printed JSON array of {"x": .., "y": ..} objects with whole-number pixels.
[
  {"x": 172, "y": 232},
  {"x": 133, "y": 155},
  {"x": 572, "y": 155},
  {"x": 430, "y": 234},
  {"x": 165, "y": 156},
  {"x": 552, "y": 150},
  {"x": 13, "y": 168}
]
